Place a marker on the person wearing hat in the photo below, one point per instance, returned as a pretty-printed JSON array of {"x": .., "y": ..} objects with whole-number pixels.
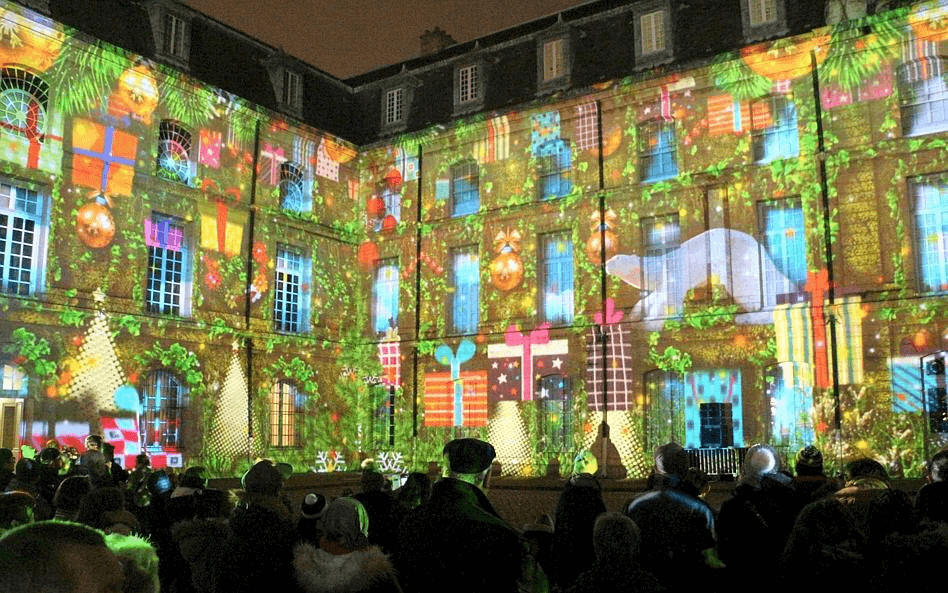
[
  {"x": 456, "y": 539},
  {"x": 811, "y": 483},
  {"x": 312, "y": 509}
]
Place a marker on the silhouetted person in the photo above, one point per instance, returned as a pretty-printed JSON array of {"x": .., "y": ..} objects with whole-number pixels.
[
  {"x": 931, "y": 503},
  {"x": 616, "y": 541},
  {"x": 579, "y": 504}
]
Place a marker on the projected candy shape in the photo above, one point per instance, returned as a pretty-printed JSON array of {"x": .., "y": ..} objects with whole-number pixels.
[
  {"x": 787, "y": 62},
  {"x": 126, "y": 398},
  {"x": 94, "y": 224}
]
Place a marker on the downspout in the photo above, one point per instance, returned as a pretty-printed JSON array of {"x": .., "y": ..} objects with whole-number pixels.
[
  {"x": 414, "y": 361},
  {"x": 248, "y": 339},
  {"x": 600, "y": 334}
]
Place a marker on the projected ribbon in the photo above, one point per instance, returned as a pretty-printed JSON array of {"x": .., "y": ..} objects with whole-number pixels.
[{"x": 445, "y": 356}]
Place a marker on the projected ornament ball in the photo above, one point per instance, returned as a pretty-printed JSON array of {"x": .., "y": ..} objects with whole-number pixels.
[
  {"x": 368, "y": 255},
  {"x": 375, "y": 207},
  {"x": 393, "y": 179},
  {"x": 136, "y": 92},
  {"x": 599, "y": 233},
  {"x": 389, "y": 223},
  {"x": 94, "y": 224},
  {"x": 506, "y": 269}
]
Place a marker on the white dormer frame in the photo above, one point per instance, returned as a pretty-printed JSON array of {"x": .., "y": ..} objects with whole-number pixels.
[
  {"x": 171, "y": 29},
  {"x": 653, "y": 13},
  {"x": 467, "y": 73},
  {"x": 403, "y": 86},
  {"x": 554, "y": 59},
  {"x": 287, "y": 79},
  {"x": 774, "y": 24}
]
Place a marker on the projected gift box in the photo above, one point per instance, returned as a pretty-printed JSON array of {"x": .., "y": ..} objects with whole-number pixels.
[
  {"x": 515, "y": 364},
  {"x": 103, "y": 157},
  {"x": 609, "y": 358},
  {"x": 457, "y": 398},
  {"x": 35, "y": 142}
]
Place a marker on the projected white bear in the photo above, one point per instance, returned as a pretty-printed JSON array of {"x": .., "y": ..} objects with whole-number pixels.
[{"x": 727, "y": 257}]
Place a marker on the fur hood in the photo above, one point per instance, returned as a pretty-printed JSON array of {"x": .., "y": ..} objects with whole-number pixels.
[{"x": 319, "y": 571}]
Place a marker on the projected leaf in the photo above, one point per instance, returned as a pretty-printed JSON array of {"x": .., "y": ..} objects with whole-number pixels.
[
  {"x": 83, "y": 76},
  {"x": 193, "y": 106},
  {"x": 732, "y": 75}
]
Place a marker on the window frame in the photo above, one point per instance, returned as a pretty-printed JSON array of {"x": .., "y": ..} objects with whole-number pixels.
[
  {"x": 784, "y": 130},
  {"x": 163, "y": 414},
  {"x": 659, "y": 431},
  {"x": 651, "y": 57},
  {"x": 667, "y": 158},
  {"x": 924, "y": 254},
  {"x": 15, "y": 120},
  {"x": 554, "y": 61},
  {"x": 666, "y": 265},
  {"x": 555, "y": 438},
  {"x": 175, "y": 32},
  {"x": 548, "y": 277},
  {"x": 171, "y": 284},
  {"x": 30, "y": 214},
  {"x": 390, "y": 267},
  {"x": 175, "y": 139},
  {"x": 285, "y": 412},
  {"x": 772, "y": 293},
  {"x": 291, "y": 89},
  {"x": 755, "y": 31},
  {"x": 469, "y": 95},
  {"x": 394, "y": 106},
  {"x": 470, "y": 172},
  {"x": 920, "y": 96},
  {"x": 291, "y": 177},
  {"x": 285, "y": 319},
  {"x": 554, "y": 170},
  {"x": 471, "y": 322}
]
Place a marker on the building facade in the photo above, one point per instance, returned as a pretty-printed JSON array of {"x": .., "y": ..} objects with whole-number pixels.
[{"x": 603, "y": 229}]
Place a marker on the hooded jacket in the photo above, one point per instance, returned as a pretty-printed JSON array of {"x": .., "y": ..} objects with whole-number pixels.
[{"x": 358, "y": 571}]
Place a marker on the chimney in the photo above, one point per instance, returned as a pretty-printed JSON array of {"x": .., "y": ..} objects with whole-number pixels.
[{"x": 435, "y": 40}]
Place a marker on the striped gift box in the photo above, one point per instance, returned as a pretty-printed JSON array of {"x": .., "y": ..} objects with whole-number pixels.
[{"x": 440, "y": 400}]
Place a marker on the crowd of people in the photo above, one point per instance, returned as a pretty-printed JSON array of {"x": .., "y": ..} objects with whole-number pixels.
[{"x": 72, "y": 522}]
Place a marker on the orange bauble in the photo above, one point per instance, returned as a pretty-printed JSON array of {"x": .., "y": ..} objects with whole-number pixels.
[
  {"x": 594, "y": 245},
  {"x": 368, "y": 255},
  {"x": 136, "y": 93},
  {"x": 375, "y": 207},
  {"x": 394, "y": 179},
  {"x": 506, "y": 270},
  {"x": 922, "y": 340},
  {"x": 95, "y": 225},
  {"x": 784, "y": 63},
  {"x": 389, "y": 223}
]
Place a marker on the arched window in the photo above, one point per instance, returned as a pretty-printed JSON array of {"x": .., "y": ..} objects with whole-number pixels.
[
  {"x": 174, "y": 152},
  {"x": 24, "y": 98},
  {"x": 286, "y": 411},
  {"x": 162, "y": 406},
  {"x": 292, "y": 194}
]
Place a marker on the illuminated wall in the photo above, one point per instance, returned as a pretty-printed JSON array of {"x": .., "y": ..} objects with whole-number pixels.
[{"x": 715, "y": 257}]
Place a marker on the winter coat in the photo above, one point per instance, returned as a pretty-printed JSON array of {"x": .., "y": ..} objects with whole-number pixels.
[{"x": 359, "y": 571}]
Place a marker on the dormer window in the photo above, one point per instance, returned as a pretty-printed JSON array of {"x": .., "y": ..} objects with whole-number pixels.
[
  {"x": 292, "y": 90},
  {"x": 468, "y": 84},
  {"x": 653, "y": 33},
  {"x": 175, "y": 37},
  {"x": 171, "y": 28},
  {"x": 553, "y": 63},
  {"x": 394, "y": 106},
  {"x": 763, "y": 19},
  {"x": 652, "y": 26}
]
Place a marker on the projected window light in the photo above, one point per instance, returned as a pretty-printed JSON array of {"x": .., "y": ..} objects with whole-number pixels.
[
  {"x": 23, "y": 220},
  {"x": 174, "y": 152},
  {"x": 665, "y": 405},
  {"x": 290, "y": 313},
  {"x": 464, "y": 301},
  {"x": 23, "y": 101},
  {"x": 791, "y": 404},
  {"x": 658, "y": 158},
  {"x": 465, "y": 194},
  {"x": 393, "y": 208},
  {"x": 553, "y": 170},
  {"x": 774, "y": 129},
  {"x": 162, "y": 406},
  {"x": 923, "y": 97},
  {"x": 292, "y": 195},
  {"x": 383, "y": 417},
  {"x": 385, "y": 295},
  {"x": 169, "y": 281},
  {"x": 781, "y": 227},
  {"x": 556, "y": 251},
  {"x": 930, "y": 198},
  {"x": 13, "y": 381},
  {"x": 663, "y": 265},
  {"x": 556, "y": 416},
  {"x": 286, "y": 407}
]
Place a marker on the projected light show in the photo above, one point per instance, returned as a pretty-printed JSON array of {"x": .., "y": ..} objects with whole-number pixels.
[{"x": 750, "y": 249}]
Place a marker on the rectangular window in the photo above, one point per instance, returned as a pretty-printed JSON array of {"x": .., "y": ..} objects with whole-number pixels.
[
  {"x": 292, "y": 89},
  {"x": 930, "y": 197},
  {"x": 468, "y": 84},
  {"x": 175, "y": 31},
  {"x": 783, "y": 265},
  {"x": 393, "y": 105},
  {"x": 290, "y": 310},
  {"x": 717, "y": 430},
  {"x": 923, "y": 97},
  {"x": 174, "y": 152},
  {"x": 554, "y": 164},
  {"x": 383, "y": 418},
  {"x": 653, "y": 32},
  {"x": 663, "y": 267},
  {"x": 285, "y": 403},
  {"x": 774, "y": 129},
  {"x": 556, "y": 414},
  {"x": 385, "y": 295},
  {"x": 22, "y": 240},
  {"x": 658, "y": 158},
  {"x": 465, "y": 191},
  {"x": 762, "y": 12},
  {"x": 554, "y": 59},
  {"x": 665, "y": 402},
  {"x": 169, "y": 273},
  {"x": 465, "y": 300},
  {"x": 556, "y": 251}
]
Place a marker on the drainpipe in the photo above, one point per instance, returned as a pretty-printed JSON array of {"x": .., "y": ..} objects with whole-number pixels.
[
  {"x": 600, "y": 333},
  {"x": 248, "y": 340}
]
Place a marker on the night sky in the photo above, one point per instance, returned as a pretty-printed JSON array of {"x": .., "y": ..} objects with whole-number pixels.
[{"x": 349, "y": 37}]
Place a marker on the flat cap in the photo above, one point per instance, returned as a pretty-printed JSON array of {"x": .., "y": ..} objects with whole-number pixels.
[{"x": 469, "y": 456}]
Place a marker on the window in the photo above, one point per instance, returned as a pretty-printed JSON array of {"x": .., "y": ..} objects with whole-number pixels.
[
  {"x": 174, "y": 152},
  {"x": 665, "y": 405},
  {"x": 388, "y": 218},
  {"x": 465, "y": 193},
  {"x": 286, "y": 410},
  {"x": 716, "y": 428},
  {"x": 468, "y": 84},
  {"x": 383, "y": 418},
  {"x": 653, "y": 32},
  {"x": 24, "y": 98},
  {"x": 23, "y": 223},
  {"x": 169, "y": 274},
  {"x": 290, "y": 307},
  {"x": 553, "y": 60},
  {"x": 791, "y": 404},
  {"x": 774, "y": 129},
  {"x": 162, "y": 406},
  {"x": 385, "y": 295},
  {"x": 657, "y": 151},
  {"x": 923, "y": 97},
  {"x": 662, "y": 263},
  {"x": 930, "y": 202},
  {"x": 781, "y": 227},
  {"x": 554, "y": 163},
  {"x": 175, "y": 40},
  {"x": 761, "y": 12},
  {"x": 465, "y": 300},
  {"x": 292, "y": 89},
  {"x": 394, "y": 105},
  {"x": 292, "y": 193},
  {"x": 556, "y": 415},
  {"x": 556, "y": 251}
]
